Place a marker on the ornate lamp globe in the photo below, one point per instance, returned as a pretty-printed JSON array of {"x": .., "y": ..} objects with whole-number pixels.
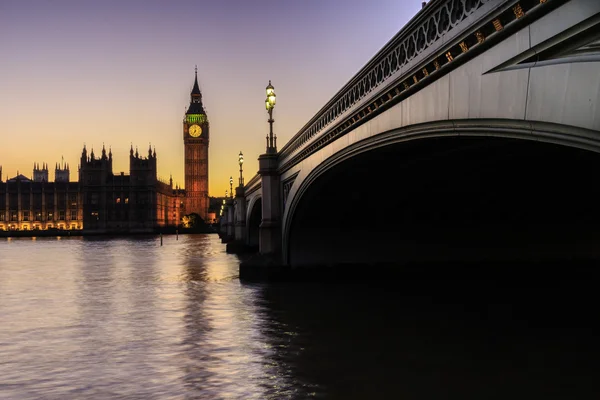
[
  {"x": 271, "y": 97},
  {"x": 241, "y": 158}
]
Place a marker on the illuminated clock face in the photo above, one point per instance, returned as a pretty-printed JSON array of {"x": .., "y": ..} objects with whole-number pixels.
[{"x": 195, "y": 130}]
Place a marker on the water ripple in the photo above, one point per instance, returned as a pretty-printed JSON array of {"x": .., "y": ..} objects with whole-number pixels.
[{"x": 127, "y": 318}]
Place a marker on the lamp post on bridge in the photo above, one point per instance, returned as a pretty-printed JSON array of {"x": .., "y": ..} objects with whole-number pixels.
[
  {"x": 270, "y": 105},
  {"x": 270, "y": 225},
  {"x": 229, "y": 211},
  {"x": 238, "y": 245},
  {"x": 241, "y": 161},
  {"x": 222, "y": 221}
]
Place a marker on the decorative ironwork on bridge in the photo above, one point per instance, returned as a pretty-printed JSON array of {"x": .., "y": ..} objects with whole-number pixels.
[{"x": 427, "y": 28}]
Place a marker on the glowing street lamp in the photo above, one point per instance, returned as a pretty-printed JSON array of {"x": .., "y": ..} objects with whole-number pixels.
[
  {"x": 270, "y": 104},
  {"x": 241, "y": 161},
  {"x": 231, "y": 186}
]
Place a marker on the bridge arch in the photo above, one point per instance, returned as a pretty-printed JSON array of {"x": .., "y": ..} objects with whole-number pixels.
[
  {"x": 369, "y": 223},
  {"x": 253, "y": 218}
]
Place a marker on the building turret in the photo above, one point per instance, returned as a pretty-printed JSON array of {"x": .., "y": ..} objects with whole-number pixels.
[
  {"x": 40, "y": 174},
  {"x": 83, "y": 155},
  {"x": 62, "y": 172},
  {"x": 143, "y": 170}
]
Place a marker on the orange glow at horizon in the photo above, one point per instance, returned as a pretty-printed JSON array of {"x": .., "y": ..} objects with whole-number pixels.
[{"x": 120, "y": 73}]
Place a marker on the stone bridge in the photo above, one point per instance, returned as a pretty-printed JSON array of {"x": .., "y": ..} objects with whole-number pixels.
[{"x": 472, "y": 135}]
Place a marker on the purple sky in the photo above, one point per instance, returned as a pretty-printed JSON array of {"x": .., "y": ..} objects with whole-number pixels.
[{"x": 120, "y": 72}]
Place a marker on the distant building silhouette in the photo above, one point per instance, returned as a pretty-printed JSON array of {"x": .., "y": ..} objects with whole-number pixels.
[
  {"x": 61, "y": 172},
  {"x": 138, "y": 202},
  {"x": 102, "y": 202},
  {"x": 27, "y": 204},
  {"x": 40, "y": 174}
]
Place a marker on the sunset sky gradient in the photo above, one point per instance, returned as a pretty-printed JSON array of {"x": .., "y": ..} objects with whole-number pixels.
[{"x": 120, "y": 72}]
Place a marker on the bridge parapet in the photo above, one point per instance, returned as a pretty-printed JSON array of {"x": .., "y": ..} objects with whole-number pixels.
[
  {"x": 253, "y": 185},
  {"x": 442, "y": 36}
]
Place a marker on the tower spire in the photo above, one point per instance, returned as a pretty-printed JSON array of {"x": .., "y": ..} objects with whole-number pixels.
[
  {"x": 196, "y": 88},
  {"x": 196, "y": 106}
]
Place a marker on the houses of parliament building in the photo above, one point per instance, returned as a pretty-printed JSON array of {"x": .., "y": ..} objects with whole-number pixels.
[{"x": 101, "y": 201}]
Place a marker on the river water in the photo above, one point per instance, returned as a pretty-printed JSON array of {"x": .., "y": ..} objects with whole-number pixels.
[{"x": 127, "y": 318}]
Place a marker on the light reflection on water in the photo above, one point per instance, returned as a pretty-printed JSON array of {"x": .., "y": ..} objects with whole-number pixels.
[
  {"x": 106, "y": 318},
  {"x": 129, "y": 318}
]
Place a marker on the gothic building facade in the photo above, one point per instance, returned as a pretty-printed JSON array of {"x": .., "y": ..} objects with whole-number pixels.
[
  {"x": 32, "y": 204},
  {"x": 138, "y": 202},
  {"x": 99, "y": 202},
  {"x": 103, "y": 202}
]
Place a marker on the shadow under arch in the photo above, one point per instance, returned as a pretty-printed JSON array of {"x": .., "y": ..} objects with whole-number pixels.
[
  {"x": 253, "y": 225},
  {"x": 468, "y": 190}
]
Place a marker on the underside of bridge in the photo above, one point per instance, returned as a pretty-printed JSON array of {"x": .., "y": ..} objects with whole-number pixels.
[
  {"x": 253, "y": 224},
  {"x": 459, "y": 199}
]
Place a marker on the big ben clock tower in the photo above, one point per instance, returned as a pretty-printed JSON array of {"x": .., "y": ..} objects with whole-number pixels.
[{"x": 195, "y": 142}]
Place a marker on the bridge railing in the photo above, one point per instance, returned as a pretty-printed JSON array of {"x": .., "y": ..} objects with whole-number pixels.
[{"x": 439, "y": 22}]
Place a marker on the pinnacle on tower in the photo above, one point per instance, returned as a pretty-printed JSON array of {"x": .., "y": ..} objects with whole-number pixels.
[
  {"x": 196, "y": 88},
  {"x": 195, "y": 98}
]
